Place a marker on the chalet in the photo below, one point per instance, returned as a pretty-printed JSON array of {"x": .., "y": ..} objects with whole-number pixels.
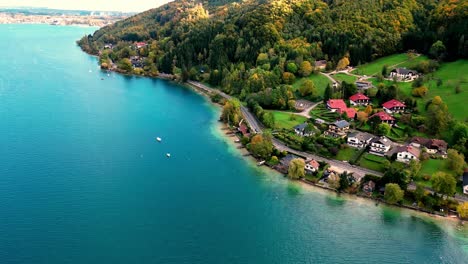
[
  {"x": 407, "y": 153},
  {"x": 339, "y": 129},
  {"x": 244, "y": 130},
  {"x": 301, "y": 130},
  {"x": 137, "y": 61},
  {"x": 431, "y": 146},
  {"x": 359, "y": 139},
  {"x": 383, "y": 117},
  {"x": 465, "y": 182},
  {"x": 312, "y": 166},
  {"x": 350, "y": 113},
  {"x": 403, "y": 74},
  {"x": 380, "y": 146},
  {"x": 283, "y": 165},
  {"x": 359, "y": 99},
  {"x": 393, "y": 106},
  {"x": 320, "y": 64},
  {"x": 140, "y": 45},
  {"x": 363, "y": 85},
  {"x": 336, "y": 105}
]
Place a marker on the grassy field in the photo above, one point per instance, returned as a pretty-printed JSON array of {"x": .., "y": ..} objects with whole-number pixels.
[
  {"x": 431, "y": 166},
  {"x": 319, "y": 80},
  {"x": 344, "y": 77},
  {"x": 346, "y": 153},
  {"x": 372, "y": 162},
  {"x": 322, "y": 112},
  {"x": 411, "y": 63},
  {"x": 376, "y": 66},
  {"x": 283, "y": 119}
]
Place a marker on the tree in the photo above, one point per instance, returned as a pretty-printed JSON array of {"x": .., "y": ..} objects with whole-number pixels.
[
  {"x": 306, "y": 68},
  {"x": 291, "y": 67},
  {"x": 420, "y": 192},
  {"x": 125, "y": 65},
  {"x": 395, "y": 175},
  {"x": 308, "y": 88},
  {"x": 456, "y": 161},
  {"x": 296, "y": 169},
  {"x": 393, "y": 193},
  {"x": 334, "y": 181},
  {"x": 443, "y": 183},
  {"x": 231, "y": 112},
  {"x": 383, "y": 129},
  {"x": 437, "y": 50},
  {"x": 268, "y": 119},
  {"x": 344, "y": 181},
  {"x": 362, "y": 116},
  {"x": 327, "y": 94},
  {"x": 384, "y": 70},
  {"x": 437, "y": 116},
  {"x": 343, "y": 63},
  {"x": 288, "y": 78},
  {"x": 414, "y": 167},
  {"x": 462, "y": 210},
  {"x": 261, "y": 146},
  {"x": 368, "y": 109}
]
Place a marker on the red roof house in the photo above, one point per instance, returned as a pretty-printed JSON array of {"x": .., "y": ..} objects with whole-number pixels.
[
  {"x": 139, "y": 45},
  {"x": 394, "y": 106},
  {"x": 359, "y": 99},
  {"x": 383, "y": 117},
  {"x": 336, "y": 105},
  {"x": 350, "y": 112}
]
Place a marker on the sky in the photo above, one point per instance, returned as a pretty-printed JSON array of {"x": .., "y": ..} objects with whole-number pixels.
[{"x": 101, "y": 5}]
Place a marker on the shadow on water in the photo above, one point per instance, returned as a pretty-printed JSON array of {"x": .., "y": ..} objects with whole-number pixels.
[
  {"x": 293, "y": 189},
  {"x": 335, "y": 200}
]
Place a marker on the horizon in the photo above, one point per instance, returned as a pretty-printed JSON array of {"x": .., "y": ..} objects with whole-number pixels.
[{"x": 85, "y": 5}]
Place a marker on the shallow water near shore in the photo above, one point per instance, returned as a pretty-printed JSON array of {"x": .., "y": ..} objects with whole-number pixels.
[{"x": 83, "y": 180}]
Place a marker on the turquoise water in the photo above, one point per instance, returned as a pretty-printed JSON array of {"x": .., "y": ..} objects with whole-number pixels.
[{"x": 82, "y": 179}]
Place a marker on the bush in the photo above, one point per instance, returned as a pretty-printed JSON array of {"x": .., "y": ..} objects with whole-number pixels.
[{"x": 426, "y": 177}]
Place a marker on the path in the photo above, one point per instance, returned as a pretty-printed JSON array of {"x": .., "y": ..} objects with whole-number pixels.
[{"x": 306, "y": 112}]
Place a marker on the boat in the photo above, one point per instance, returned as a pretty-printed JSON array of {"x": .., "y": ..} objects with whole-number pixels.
[
  {"x": 261, "y": 163},
  {"x": 168, "y": 155},
  {"x": 158, "y": 139}
]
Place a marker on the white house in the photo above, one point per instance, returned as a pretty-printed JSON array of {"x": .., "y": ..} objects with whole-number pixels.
[
  {"x": 403, "y": 74},
  {"x": 359, "y": 99},
  {"x": 394, "y": 106},
  {"x": 407, "y": 153},
  {"x": 359, "y": 139},
  {"x": 380, "y": 146},
  {"x": 465, "y": 182},
  {"x": 312, "y": 166}
]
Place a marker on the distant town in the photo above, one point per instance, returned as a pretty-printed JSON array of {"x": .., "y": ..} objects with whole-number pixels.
[{"x": 26, "y": 15}]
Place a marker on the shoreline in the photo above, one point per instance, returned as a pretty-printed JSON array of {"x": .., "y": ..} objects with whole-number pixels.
[{"x": 221, "y": 128}]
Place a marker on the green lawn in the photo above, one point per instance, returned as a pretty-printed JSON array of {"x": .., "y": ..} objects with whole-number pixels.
[
  {"x": 346, "y": 154},
  {"x": 323, "y": 113},
  {"x": 283, "y": 119},
  {"x": 412, "y": 63},
  {"x": 372, "y": 162},
  {"x": 431, "y": 166},
  {"x": 344, "y": 77},
  {"x": 319, "y": 80},
  {"x": 376, "y": 66}
]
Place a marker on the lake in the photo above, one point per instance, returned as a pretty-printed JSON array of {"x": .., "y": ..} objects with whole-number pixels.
[{"x": 83, "y": 180}]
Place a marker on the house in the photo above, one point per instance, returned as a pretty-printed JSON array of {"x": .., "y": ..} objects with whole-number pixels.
[
  {"x": 244, "y": 130},
  {"x": 136, "y": 61},
  {"x": 394, "y": 106},
  {"x": 301, "y": 130},
  {"x": 359, "y": 99},
  {"x": 312, "y": 166},
  {"x": 363, "y": 85},
  {"x": 407, "y": 153},
  {"x": 140, "y": 45},
  {"x": 431, "y": 146},
  {"x": 339, "y": 129},
  {"x": 380, "y": 146},
  {"x": 465, "y": 182},
  {"x": 368, "y": 187},
  {"x": 359, "y": 139},
  {"x": 108, "y": 46},
  {"x": 336, "y": 105},
  {"x": 319, "y": 121},
  {"x": 383, "y": 117},
  {"x": 302, "y": 104},
  {"x": 339, "y": 106},
  {"x": 283, "y": 165},
  {"x": 403, "y": 74},
  {"x": 320, "y": 64}
]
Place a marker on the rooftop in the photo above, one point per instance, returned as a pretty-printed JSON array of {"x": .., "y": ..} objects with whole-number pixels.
[
  {"x": 408, "y": 148},
  {"x": 361, "y": 135},
  {"x": 383, "y": 116},
  {"x": 393, "y": 103},
  {"x": 337, "y": 104},
  {"x": 341, "y": 123},
  {"x": 358, "y": 96}
]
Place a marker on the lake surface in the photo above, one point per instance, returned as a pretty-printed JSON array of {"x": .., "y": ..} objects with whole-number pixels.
[{"x": 83, "y": 180}]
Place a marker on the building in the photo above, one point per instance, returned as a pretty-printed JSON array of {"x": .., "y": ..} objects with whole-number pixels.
[
  {"x": 359, "y": 139},
  {"x": 339, "y": 129},
  {"x": 403, "y": 74},
  {"x": 432, "y": 146},
  {"x": 359, "y": 99},
  {"x": 336, "y": 105},
  {"x": 137, "y": 61},
  {"x": 312, "y": 166},
  {"x": 363, "y": 85},
  {"x": 244, "y": 130},
  {"x": 465, "y": 182},
  {"x": 108, "y": 46},
  {"x": 320, "y": 64},
  {"x": 383, "y": 117},
  {"x": 380, "y": 146},
  {"x": 301, "y": 130},
  {"x": 394, "y": 106},
  {"x": 407, "y": 153},
  {"x": 140, "y": 45}
]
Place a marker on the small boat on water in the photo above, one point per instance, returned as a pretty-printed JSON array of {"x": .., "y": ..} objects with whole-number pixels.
[
  {"x": 158, "y": 139},
  {"x": 261, "y": 163},
  {"x": 168, "y": 155}
]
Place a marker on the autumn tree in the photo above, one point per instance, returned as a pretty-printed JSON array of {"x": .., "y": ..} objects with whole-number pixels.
[
  {"x": 261, "y": 146},
  {"x": 383, "y": 129},
  {"x": 342, "y": 64},
  {"x": 393, "y": 193},
  {"x": 308, "y": 88},
  {"x": 231, "y": 112},
  {"x": 462, "y": 210},
  {"x": 456, "y": 161},
  {"x": 443, "y": 183},
  {"x": 306, "y": 68},
  {"x": 368, "y": 109},
  {"x": 437, "y": 116},
  {"x": 296, "y": 169},
  {"x": 362, "y": 116}
]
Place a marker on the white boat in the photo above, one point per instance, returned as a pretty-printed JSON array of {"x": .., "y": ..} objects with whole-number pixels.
[
  {"x": 261, "y": 163},
  {"x": 158, "y": 139},
  {"x": 168, "y": 155}
]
